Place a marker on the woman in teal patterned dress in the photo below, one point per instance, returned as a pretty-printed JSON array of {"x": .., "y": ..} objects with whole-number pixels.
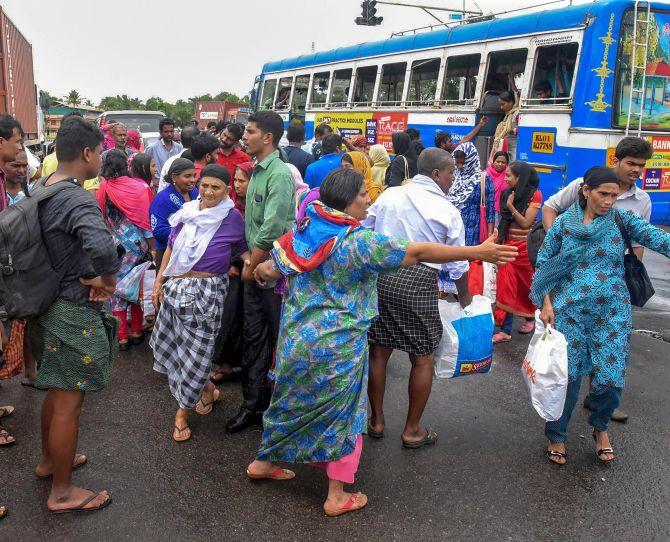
[
  {"x": 319, "y": 407},
  {"x": 579, "y": 283}
]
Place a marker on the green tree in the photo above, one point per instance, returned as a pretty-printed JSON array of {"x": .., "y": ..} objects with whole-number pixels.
[
  {"x": 226, "y": 96},
  {"x": 120, "y": 102},
  {"x": 73, "y": 98}
]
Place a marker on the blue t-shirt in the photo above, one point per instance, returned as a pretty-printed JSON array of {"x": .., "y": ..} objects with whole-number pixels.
[{"x": 318, "y": 171}]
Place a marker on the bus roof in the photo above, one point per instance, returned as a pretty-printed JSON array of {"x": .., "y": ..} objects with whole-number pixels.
[{"x": 529, "y": 23}]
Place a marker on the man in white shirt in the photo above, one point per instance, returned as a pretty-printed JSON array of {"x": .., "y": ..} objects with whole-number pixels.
[
  {"x": 187, "y": 135},
  {"x": 409, "y": 319},
  {"x": 630, "y": 158}
]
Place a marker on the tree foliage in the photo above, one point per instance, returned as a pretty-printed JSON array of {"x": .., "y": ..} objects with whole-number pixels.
[{"x": 73, "y": 98}]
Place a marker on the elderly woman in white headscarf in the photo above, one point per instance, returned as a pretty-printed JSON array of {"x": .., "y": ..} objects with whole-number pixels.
[
  {"x": 466, "y": 195},
  {"x": 191, "y": 289}
]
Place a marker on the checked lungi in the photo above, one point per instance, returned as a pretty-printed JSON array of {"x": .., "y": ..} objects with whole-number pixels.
[
  {"x": 409, "y": 319},
  {"x": 185, "y": 333}
]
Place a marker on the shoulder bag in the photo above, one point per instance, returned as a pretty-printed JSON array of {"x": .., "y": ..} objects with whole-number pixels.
[{"x": 637, "y": 279}]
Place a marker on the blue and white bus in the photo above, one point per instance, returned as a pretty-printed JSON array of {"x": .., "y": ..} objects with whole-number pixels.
[{"x": 607, "y": 63}]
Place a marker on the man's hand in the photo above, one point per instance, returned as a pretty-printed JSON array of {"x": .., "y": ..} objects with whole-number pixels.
[
  {"x": 100, "y": 288},
  {"x": 483, "y": 121},
  {"x": 547, "y": 314},
  {"x": 233, "y": 271},
  {"x": 490, "y": 252},
  {"x": 247, "y": 272}
]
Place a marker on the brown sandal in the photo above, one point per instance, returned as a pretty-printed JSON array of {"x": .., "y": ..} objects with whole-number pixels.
[
  {"x": 203, "y": 408},
  {"x": 6, "y": 411},
  {"x": 178, "y": 436}
]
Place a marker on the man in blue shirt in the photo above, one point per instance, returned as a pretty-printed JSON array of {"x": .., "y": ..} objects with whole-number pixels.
[
  {"x": 331, "y": 159},
  {"x": 165, "y": 147},
  {"x": 296, "y": 156}
]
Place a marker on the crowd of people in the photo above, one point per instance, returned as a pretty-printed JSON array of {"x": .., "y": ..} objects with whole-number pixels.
[{"x": 298, "y": 269}]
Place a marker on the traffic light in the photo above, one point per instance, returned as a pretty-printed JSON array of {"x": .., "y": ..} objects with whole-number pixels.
[{"x": 368, "y": 18}]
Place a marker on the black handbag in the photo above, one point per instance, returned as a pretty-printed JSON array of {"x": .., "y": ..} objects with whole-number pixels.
[
  {"x": 535, "y": 241},
  {"x": 637, "y": 279}
]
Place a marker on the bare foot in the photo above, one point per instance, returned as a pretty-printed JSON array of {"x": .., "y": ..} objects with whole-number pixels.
[
  {"x": 560, "y": 448},
  {"x": 5, "y": 438},
  {"x": 74, "y": 497},
  {"x": 44, "y": 468}
]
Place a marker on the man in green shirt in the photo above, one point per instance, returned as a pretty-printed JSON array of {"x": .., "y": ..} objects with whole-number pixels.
[{"x": 269, "y": 213}]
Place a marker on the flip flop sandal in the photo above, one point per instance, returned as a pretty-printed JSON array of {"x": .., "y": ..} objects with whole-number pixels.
[
  {"x": 557, "y": 454},
  {"x": 178, "y": 434},
  {"x": 79, "y": 461},
  {"x": 6, "y": 411},
  {"x": 220, "y": 377},
  {"x": 430, "y": 438},
  {"x": 355, "y": 502},
  {"x": 602, "y": 451},
  {"x": 372, "y": 433},
  {"x": 3, "y": 511},
  {"x": 274, "y": 475},
  {"x": 82, "y": 507},
  {"x": 203, "y": 408},
  {"x": 4, "y": 435}
]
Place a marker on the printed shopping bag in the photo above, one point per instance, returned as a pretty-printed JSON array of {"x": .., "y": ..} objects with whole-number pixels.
[
  {"x": 545, "y": 370},
  {"x": 467, "y": 338}
]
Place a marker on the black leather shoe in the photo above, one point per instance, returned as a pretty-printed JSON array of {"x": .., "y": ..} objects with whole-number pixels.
[{"x": 245, "y": 418}]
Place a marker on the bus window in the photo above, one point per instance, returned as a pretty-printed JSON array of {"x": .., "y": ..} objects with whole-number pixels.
[
  {"x": 654, "y": 103},
  {"x": 341, "y": 86},
  {"x": 269, "y": 87},
  {"x": 365, "y": 84},
  {"x": 554, "y": 69},
  {"x": 505, "y": 71},
  {"x": 284, "y": 94},
  {"x": 460, "y": 79},
  {"x": 300, "y": 96},
  {"x": 393, "y": 79},
  {"x": 423, "y": 81},
  {"x": 320, "y": 88}
]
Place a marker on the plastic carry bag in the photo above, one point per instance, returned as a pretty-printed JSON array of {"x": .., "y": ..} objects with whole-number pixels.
[
  {"x": 545, "y": 370},
  {"x": 467, "y": 338},
  {"x": 146, "y": 291},
  {"x": 490, "y": 281}
]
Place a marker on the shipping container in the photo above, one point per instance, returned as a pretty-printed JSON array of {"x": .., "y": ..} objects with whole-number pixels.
[
  {"x": 18, "y": 95},
  {"x": 216, "y": 111}
]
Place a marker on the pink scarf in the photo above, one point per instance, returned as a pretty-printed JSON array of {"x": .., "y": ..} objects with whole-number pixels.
[
  {"x": 499, "y": 184},
  {"x": 131, "y": 196}
]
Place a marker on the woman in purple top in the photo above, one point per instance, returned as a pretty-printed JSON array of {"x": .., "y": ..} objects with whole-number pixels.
[{"x": 190, "y": 288}]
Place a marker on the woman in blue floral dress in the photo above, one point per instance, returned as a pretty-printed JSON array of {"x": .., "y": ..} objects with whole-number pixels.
[
  {"x": 579, "y": 283},
  {"x": 319, "y": 407}
]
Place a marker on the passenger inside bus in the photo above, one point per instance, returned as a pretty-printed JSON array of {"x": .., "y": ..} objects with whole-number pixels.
[
  {"x": 553, "y": 74},
  {"x": 282, "y": 98}
]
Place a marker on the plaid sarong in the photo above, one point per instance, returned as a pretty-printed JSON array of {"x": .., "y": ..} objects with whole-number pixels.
[
  {"x": 184, "y": 336},
  {"x": 409, "y": 319}
]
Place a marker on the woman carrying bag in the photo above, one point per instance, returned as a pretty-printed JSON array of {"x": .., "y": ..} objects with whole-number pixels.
[{"x": 579, "y": 283}]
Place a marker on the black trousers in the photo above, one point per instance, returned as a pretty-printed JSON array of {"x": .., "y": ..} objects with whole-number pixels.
[
  {"x": 230, "y": 342},
  {"x": 262, "y": 310}
]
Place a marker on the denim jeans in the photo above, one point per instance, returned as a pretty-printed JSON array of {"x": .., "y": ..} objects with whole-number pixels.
[
  {"x": 602, "y": 399},
  {"x": 507, "y": 324}
]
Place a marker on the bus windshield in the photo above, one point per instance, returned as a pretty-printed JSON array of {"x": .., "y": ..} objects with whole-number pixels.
[{"x": 142, "y": 122}]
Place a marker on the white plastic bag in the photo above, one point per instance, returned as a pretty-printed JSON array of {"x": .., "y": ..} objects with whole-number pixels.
[
  {"x": 146, "y": 291},
  {"x": 490, "y": 272},
  {"x": 467, "y": 338},
  {"x": 545, "y": 370}
]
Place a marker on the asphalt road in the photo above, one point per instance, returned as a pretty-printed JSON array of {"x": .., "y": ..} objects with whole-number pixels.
[{"x": 486, "y": 479}]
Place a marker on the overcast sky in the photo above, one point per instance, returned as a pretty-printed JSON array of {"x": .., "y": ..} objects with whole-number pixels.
[{"x": 180, "y": 48}]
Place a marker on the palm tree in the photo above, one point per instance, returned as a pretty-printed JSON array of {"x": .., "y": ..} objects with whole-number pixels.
[{"x": 73, "y": 98}]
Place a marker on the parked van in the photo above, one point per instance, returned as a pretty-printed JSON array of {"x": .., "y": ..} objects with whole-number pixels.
[{"x": 145, "y": 122}]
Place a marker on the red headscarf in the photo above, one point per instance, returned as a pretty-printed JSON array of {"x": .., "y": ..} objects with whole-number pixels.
[
  {"x": 131, "y": 196},
  {"x": 240, "y": 204}
]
